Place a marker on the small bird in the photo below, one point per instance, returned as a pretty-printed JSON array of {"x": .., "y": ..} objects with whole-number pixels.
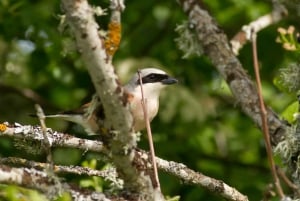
[{"x": 153, "y": 81}]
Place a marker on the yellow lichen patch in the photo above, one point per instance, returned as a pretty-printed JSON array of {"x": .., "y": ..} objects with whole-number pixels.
[
  {"x": 2, "y": 127},
  {"x": 113, "y": 39}
]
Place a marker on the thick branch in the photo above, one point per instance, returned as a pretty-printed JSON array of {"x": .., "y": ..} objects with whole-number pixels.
[
  {"x": 80, "y": 17},
  {"x": 216, "y": 46}
]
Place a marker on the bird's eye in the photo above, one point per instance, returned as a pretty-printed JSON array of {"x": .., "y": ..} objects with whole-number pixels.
[{"x": 152, "y": 76}]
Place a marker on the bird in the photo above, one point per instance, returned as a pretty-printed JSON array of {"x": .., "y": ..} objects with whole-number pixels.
[{"x": 91, "y": 115}]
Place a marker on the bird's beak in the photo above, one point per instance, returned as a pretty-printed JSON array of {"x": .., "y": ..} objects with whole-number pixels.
[{"x": 169, "y": 80}]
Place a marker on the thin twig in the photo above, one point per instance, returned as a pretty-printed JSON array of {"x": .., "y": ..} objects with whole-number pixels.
[
  {"x": 41, "y": 116},
  {"x": 149, "y": 133},
  {"x": 263, "y": 110},
  {"x": 109, "y": 174},
  {"x": 36, "y": 179},
  {"x": 287, "y": 181}
]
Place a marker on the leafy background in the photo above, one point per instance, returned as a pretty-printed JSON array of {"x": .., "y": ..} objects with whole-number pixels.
[{"x": 199, "y": 123}]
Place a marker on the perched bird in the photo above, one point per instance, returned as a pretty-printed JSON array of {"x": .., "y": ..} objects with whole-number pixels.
[{"x": 153, "y": 80}]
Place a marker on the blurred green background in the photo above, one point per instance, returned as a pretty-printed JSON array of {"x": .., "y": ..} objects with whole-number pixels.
[{"x": 199, "y": 123}]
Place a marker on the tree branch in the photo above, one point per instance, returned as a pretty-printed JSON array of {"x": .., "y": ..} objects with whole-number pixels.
[
  {"x": 32, "y": 178},
  {"x": 244, "y": 35},
  {"x": 216, "y": 46},
  {"x": 108, "y": 174},
  {"x": 190, "y": 176},
  {"x": 80, "y": 17},
  {"x": 141, "y": 159}
]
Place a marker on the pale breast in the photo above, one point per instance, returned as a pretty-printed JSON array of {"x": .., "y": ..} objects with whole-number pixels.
[{"x": 138, "y": 114}]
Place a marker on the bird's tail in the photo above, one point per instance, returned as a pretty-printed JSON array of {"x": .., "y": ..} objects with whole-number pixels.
[{"x": 72, "y": 118}]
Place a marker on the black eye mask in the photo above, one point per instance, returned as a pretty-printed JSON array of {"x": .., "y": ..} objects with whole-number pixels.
[{"x": 152, "y": 78}]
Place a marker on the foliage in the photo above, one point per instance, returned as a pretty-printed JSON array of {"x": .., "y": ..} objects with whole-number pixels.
[
  {"x": 199, "y": 124},
  {"x": 14, "y": 193},
  {"x": 94, "y": 182}
]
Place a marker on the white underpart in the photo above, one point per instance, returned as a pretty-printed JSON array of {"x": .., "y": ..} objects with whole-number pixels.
[{"x": 151, "y": 96}]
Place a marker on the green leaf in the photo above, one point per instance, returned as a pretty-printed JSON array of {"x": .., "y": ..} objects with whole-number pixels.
[{"x": 288, "y": 113}]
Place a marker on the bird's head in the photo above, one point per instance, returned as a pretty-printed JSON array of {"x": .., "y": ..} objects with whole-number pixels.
[{"x": 153, "y": 81}]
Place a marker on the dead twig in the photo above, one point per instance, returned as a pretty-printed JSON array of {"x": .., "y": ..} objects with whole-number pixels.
[
  {"x": 156, "y": 183},
  {"x": 40, "y": 114},
  {"x": 263, "y": 110},
  {"x": 287, "y": 181}
]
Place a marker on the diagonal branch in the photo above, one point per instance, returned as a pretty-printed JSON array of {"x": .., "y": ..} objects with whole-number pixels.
[
  {"x": 216, "y": 47},
  {"x": 80, "y": 17},
  {"x": 196, "y": 178}
]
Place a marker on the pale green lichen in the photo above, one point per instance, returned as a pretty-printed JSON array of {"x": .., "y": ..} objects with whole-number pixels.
[
  {"x": 187, "y": 40},
  {"x": 288, "y": 149},
  {"x": 289, "y": 146},
  {"x": 289, "y": 77}
]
